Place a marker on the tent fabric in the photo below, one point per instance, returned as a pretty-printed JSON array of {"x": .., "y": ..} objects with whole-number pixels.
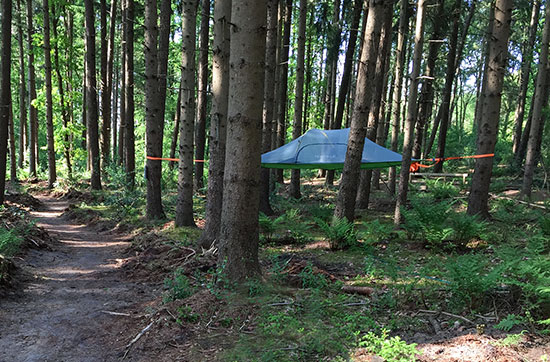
[{"x": 326, "y": 149}]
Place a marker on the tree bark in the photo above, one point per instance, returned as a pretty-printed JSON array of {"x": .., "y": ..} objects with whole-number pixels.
[
  {"x": 448, "y": 88},
  {"x": 23, "y": 138},
  {"x": 397, "y": 83},
  {"x": 299, "y": 97},
  {"x": 283, "y": 82},
  {"x": 129, "y": 146},
  {"x": 345, "y": 204},
  {"x": 200, "y": 132},
  {"x": 538, "y": 118},
  {"x": 176, "y": 131},
  {"x": 218, "y": 122},
  {"x": 411, "y": 114},
  {"x": 5, "y": 89},
  {"x": 111, "y": 110},
  {"x": 490, "y": 108},
  {"x": 61, "y": 91},
  {"x": 363, "y": 193},
  {"x": 13, "y": 158},
  {"x": 184, "y": 207},
  {"x": 268, "y": 118},
  {"x": 52, "y": 175},
  {"x": 156, "y": 58},
  {"x": 426, "y": 101},
  {"x": 33, "y": 112},
  {"x": 91, "y": 96},
  {"x": 239, "y": 233},
  {"x": 334, "y": 39},
  {"x": 105, "y": 90},
  {"x": 527, "y": 59}
]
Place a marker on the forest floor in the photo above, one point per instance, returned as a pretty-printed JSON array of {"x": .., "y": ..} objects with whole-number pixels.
[{"x": 105, "y": 292}]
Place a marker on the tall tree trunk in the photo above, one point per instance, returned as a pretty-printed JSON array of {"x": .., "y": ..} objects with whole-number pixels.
[
  {"x": 61, "y": 90},
  {"x": 5, "y": 89},
  {"x": 200, "y": 132},
  {"x": 283, "y": 82},
  {"x": 91, "y": 96},
  {"x": 156, "y": 58},
  {"x": 113, "y": 93},
  {"x": 488, "y": 125},
  {"x": 176, "y": 131},
  {"x": 105, "y": 91},
  {"x": 447, "y": 91},
  {"x": 218, "y": 122},
  {"x": 397, "y": 83},
  {"x": 52, "y": 175},
  {"x": 23, "y": 138},
  {"x": 334, "y": 40},
  {"x": 184, "y": 207},
  {"x": 527, "y": 59},
  {"x": 348, "y": 64},
  {"x": 411, "y": 113},
  {"x": 268, "y": 118},
  {"x": 239, "y": 233},
  {"x": 122, "y": 122},
  {"x": 346, "y": 76},
  {"x": 426, "y": 101},
  {"x": 345, "y": 204},
  {"x": 129, "y": 146},
  {"x": 363, "y": 193},
  {"x": 13, "y": 158},
  {"x": 299, "y": 97},
  {"x": 541, "y": 99},
  {"x": 33, "y": 112}
]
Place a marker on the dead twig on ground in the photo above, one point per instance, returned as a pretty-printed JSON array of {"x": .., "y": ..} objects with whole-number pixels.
[
  {"x": 116, "y": 313},
  {"x": 136, "y": 338},
  {"x": 434, "y": 312}
]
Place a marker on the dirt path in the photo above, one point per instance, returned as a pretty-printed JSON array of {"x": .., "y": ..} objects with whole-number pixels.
[{"x": 60, "y": 314}]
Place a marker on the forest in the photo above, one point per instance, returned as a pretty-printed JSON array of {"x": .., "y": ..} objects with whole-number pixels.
[{"x": 156, "y": 202}]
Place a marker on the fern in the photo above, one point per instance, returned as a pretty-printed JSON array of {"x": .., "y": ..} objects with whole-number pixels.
[{"x": 341, "y": 234}]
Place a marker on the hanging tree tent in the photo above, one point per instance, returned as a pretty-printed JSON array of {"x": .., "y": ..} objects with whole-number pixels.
[{"x": 326, "y": 149}]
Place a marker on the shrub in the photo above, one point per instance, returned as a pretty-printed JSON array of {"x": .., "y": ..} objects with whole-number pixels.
[
  {"x": 389, "y": 349},
  {"x": 341, "y": 234},
  {"x": 441, "y": 190},
  {"x": 466, "y": 227},
  {"x": 9, "y": 242},
  {"x": 178, "y": 287},
  {"x": 426, "y": 221}
]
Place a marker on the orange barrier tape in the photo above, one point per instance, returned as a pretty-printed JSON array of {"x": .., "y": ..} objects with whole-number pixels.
[
  {"x": 168, "y": 159},
  {"x": 415, "y": 166}
]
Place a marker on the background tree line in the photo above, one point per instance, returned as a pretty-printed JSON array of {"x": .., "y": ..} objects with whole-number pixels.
[{"x": 90, "y": 87}]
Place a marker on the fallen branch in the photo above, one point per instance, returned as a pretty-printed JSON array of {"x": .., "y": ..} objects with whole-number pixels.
[
  {"x": 433, "y": 312},
  {"x": 136, "y": 338},
  {"x": 358, "y": 290},
  {"x": 116, "y": 313},
  {"x": 520, "y": 201}
]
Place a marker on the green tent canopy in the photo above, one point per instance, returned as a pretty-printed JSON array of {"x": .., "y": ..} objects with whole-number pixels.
[{"x": 326, "y": 149}]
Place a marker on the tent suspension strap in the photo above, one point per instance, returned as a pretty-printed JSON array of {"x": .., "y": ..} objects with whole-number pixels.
[{"x": 415, "y": 166}]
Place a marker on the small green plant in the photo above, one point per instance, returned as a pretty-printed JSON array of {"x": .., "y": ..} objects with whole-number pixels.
[
  {"x": 466, "y": 227},
  {"x": 323, "y": 212},
  {"x": 269, "y": 225},
  {"x": 544, "y": 223},
  {"x": 470, "y": 279},
  {"x": 389, "y": 349},
  {"x": 10, "y": 240},
  {"x": 341, "y": 234},
  {"x": 178, "y": 287},
  {"x": 509, "y": 322},
  {"x": 441, "y": 190},
  {"x": 375, "y": 231},
  {"x": 427, "y": 221},
  {"x": 510, "y": 340},
  {"x": 185, "y": 314},
  {"x": 312, "y": 280}
]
